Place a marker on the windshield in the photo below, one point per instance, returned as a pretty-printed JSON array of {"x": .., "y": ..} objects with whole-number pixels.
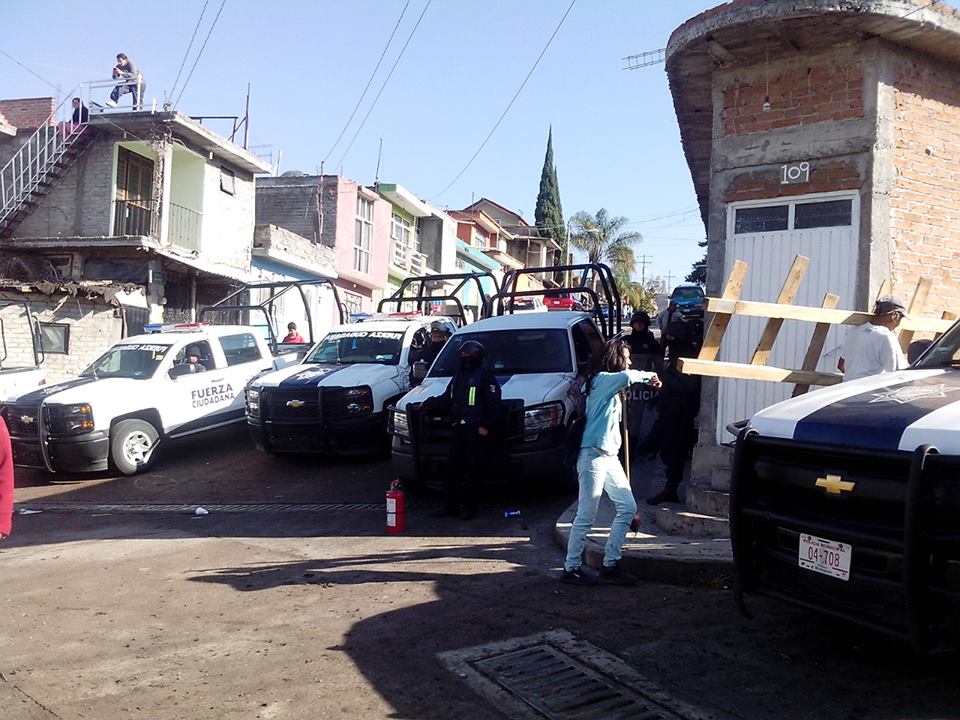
[
  {"x": 511, "y": 352},
  {"x": 358, "y": 346},
  {"x": 945, "y": 352},
  {"x": 687, "y": 293},
  {"x": 128, "y": 361}
]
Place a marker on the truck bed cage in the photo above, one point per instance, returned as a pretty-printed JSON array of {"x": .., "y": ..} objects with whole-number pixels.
[
  {"x": 422, "y": 301},
  {"x": 234, "y": 303},
  {"x": 591, "y": 276}
]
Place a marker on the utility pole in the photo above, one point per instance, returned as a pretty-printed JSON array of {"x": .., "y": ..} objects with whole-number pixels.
[
  {"x": 643, "y": 261},
  {"x": 669, "y": 280}
]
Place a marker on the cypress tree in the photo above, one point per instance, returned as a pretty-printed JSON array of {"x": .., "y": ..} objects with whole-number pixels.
[{"x": 549, "y": 213}]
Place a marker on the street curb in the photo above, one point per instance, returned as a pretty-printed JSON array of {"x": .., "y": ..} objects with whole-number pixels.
[{"x": 676, "y": 560}]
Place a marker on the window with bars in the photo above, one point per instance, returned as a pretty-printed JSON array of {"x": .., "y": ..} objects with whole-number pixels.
[
  {"x": 352, "y": 303},
  {"x": 362, "y": 242},
  {"x": 793, "y": 216},
  {"x": 400, "y": 233}
]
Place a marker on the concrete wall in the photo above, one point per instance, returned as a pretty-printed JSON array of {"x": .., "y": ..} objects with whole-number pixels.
[
  {"x": 228, "y": 220},
  {"x": 291, "y": 203},
  {"x": 94, "y": 326}
]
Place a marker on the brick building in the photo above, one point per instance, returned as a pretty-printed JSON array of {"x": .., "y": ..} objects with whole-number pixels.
[{"x": 828, "y": 128}]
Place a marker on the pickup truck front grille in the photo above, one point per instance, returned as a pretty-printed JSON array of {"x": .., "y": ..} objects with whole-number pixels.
[
  {"x": 301, "y": 404},
  {"x": 22, "y": 421},
  {"x": 898, "y": 511}
]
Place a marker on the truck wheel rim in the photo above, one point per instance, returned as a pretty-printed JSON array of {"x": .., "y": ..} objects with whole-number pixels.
[{"x": 137, "y": 447}]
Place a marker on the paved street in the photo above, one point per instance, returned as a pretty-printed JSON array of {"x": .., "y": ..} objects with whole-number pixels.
[{"x": 289, "y": 614}]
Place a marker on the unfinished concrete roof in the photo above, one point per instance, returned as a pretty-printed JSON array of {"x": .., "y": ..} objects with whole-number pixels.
[{"x": 745, "y": 31}]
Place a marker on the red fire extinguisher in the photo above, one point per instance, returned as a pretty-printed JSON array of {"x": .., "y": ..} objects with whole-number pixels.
[{"x": 396, "y": 521}]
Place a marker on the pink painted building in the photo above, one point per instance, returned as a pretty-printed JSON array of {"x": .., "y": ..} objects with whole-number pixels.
[{"x": 341, "y": 214}]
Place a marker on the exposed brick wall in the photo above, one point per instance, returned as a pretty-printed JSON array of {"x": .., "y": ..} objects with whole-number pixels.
[
  {"x": 925, "y": 202},
  {"x": 28, "y": 112},
  {"x": 800, "y": 96},
  {"x": 824, "y": 177}
]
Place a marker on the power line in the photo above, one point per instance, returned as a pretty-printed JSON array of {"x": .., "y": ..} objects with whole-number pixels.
[
  {"x": 510, "y": 105},
  {"x": 202, "y": 47},
  {"x": 383, "y": 87},
  {"x": 40, "y": 77},
  {"x": 369, "y": 82},
  {"x": 189, "y": 47}
]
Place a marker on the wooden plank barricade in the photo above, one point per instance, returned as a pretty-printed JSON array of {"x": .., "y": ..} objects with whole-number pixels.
[{"x": 729, "y": 304}]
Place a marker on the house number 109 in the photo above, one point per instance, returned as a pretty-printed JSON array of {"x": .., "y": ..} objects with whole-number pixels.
[{"x": 796, "y": 173}]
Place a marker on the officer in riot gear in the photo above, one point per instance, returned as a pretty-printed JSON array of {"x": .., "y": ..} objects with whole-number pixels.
[
  {"x": 192, "y": 358},
  {"x": 437, "y": 339},
  {"x": 473, "y": 398}
]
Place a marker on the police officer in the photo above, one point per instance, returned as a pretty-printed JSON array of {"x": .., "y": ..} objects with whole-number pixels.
[
  {"x": 438, "y": 337},
  {"x": 643, "y": 344},
  {"x": 474, "y": 400},
  {"x": 192, "y": 358}
]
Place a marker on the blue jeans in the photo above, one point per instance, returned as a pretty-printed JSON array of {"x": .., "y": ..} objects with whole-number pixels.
[{"x": 598, "y": 472}]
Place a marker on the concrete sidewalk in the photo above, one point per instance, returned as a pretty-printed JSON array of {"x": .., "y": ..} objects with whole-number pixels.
[{"x": 649, "y": 553}]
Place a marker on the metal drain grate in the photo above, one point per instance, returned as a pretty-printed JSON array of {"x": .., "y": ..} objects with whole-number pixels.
[
  {"x": 85, "y": 507},
  {"x": 558, "y": 677}
]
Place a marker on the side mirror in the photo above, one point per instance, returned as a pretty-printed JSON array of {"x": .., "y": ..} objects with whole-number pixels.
[
  {"x": 916, "y": 349},
  {"x": 420, "y": 368},
  {"x": 179, "y": 371}
]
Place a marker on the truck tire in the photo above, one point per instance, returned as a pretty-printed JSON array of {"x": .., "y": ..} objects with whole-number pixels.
[{"x": 132, "y": 443}]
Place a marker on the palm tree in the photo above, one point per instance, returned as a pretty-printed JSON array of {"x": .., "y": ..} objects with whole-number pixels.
[{"x": 602, "y": 238}]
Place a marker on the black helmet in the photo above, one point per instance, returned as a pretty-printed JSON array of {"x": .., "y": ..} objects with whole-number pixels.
[
  {"x": 640, "y": 317},
  {"x": 471, "y": 355},
  {"x": 438, "y": 327},
  {"x": 192, "y": 350}
]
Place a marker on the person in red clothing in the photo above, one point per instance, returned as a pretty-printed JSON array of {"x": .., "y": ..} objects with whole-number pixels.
[
  {"x": 292, "y": 335},
  {"x": 6, "y": 481}
]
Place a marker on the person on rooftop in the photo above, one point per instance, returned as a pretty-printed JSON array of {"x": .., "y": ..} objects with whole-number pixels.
[{"x": 133, "y": 82}]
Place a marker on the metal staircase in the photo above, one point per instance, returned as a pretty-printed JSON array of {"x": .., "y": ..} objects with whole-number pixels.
[{"x": 39, "y": 163}]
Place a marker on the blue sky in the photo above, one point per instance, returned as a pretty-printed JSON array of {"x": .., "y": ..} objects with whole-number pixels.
[{"x": 616, "y": 141}]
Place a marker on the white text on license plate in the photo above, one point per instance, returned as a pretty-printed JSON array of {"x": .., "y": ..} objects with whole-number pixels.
[{"x": 825, "y": 556}]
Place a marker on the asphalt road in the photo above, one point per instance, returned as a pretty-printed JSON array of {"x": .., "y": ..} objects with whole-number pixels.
[{"x": 320, "y": 614}]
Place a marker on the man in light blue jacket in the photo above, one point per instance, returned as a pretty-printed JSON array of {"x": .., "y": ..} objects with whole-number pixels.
[{"x": 599, "y": 468}]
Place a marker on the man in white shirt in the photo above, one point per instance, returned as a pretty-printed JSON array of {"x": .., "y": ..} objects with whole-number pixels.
[{"x": 872, "y": 348}]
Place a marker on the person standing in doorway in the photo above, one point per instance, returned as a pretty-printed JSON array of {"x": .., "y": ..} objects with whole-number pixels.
[
  {"x": 133, "y": 82},
  {"x": 599, "y": 468},
  {"x": 872, "y": 348}
]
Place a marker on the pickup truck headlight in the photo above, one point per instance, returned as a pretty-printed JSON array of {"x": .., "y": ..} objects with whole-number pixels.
[
  {"x": 253, "y": 402},
  {"x": 70, "y": 419},
  {"x": 542, "y": 417},
  {"x": 400, "y": 423},
  {"x": 358, "y": 400}
]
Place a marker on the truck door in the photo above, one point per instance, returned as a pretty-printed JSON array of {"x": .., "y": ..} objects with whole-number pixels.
[
  {"x": 198, "y": 397},
  {"x": 244, "y": 357}
]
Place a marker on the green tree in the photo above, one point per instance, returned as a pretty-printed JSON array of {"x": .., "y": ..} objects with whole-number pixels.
[
  {"x": 603, "y": 239},
  {"x": 699, "y": 272},
  {"x": 549, "y": 213}
]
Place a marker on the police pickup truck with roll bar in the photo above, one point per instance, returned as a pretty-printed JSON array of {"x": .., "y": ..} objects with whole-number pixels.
[
  {"x": 846, "y": 501},
  {"x": 334, "y": 401},
  {"x": 143, "y": 391},
  {"x": 541, "y": 361}
]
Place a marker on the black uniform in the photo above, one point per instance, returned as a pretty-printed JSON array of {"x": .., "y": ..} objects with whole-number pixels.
[{"x": 474, "y": 401}]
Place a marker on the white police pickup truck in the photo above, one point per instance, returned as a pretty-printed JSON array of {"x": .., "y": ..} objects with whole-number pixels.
[
  {"x": 335, "y": 400},
  {"x": 541, "y": 361},
  {"x": 846, "y": 500},
  {"x": 139, "y": 392}
]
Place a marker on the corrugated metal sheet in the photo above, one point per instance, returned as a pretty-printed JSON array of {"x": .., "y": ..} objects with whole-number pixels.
[{"x": 833, "y": 268}]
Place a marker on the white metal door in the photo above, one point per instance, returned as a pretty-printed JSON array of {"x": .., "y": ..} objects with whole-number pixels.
[{"x": 832, "y": 249}]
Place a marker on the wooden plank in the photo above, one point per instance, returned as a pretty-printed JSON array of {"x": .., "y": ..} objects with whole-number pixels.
[
  {"x": 815, "y": 314},
  {"x": 947, "y": 315},
  {"x": 720, "y": 321},
  {"x": 743, "y": 371},
  {"x": 787, "y": 293},
  {"x": 920, "y": 294},
  {"x": 817, "y": 341}
]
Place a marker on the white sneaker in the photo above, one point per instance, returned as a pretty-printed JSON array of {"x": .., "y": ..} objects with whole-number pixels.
[{"x": 111, "y": 103}]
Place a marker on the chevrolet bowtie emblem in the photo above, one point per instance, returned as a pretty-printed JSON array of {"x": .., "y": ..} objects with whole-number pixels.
[
  {"x": 834, "y": 484},
  {"x": 295, "y": 404},
  {"x": 26, "y": 419}
]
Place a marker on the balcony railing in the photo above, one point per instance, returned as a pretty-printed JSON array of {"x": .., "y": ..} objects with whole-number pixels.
[
  {"x": 134, "y": 217},
  {"x": 418, "y": 264},
  {"x": 400, "y": 254},
  {"x": 185, "y": 227}
]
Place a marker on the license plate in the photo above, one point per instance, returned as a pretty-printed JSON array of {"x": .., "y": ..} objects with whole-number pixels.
[{"x": 828, "y": 557}]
